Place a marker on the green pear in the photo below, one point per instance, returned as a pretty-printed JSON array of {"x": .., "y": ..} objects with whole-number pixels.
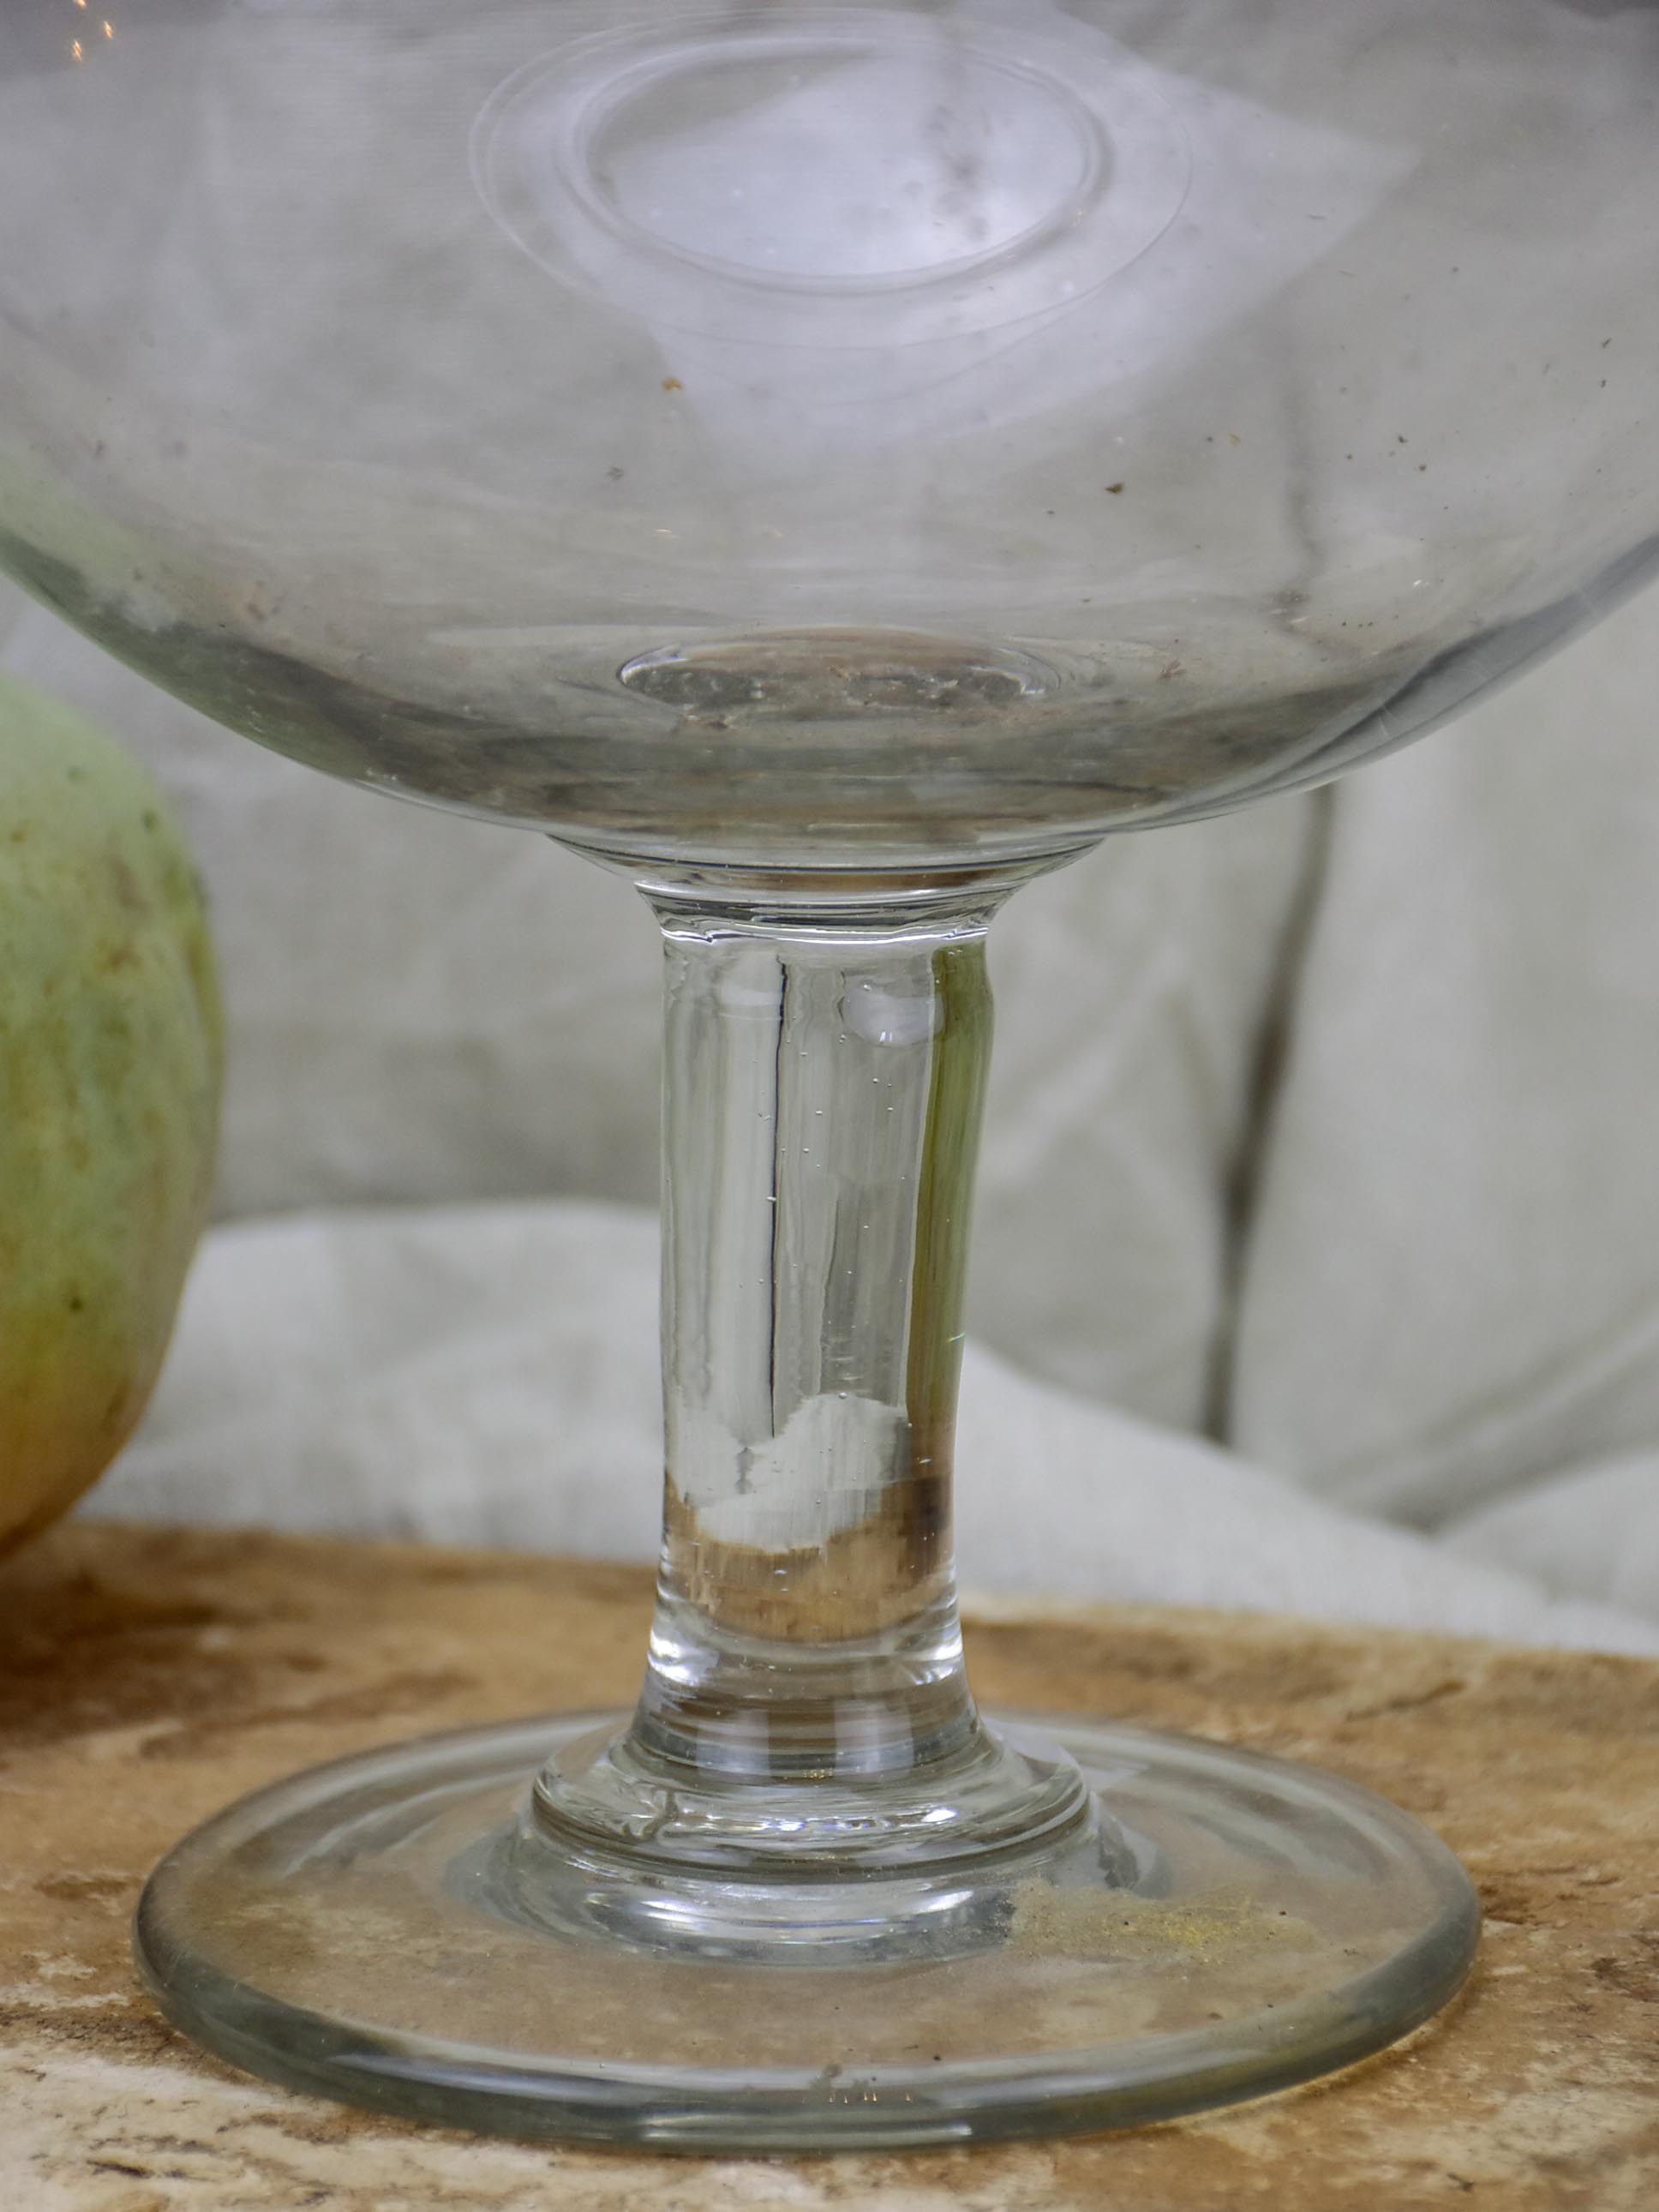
[{"x": 111, "y": 1063}]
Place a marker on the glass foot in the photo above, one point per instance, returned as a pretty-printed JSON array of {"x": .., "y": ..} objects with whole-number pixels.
[{"x": 399, "y": 1930}]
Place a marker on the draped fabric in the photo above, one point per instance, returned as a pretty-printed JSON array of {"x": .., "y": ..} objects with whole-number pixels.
[{"x": 1316, "y": 1261}]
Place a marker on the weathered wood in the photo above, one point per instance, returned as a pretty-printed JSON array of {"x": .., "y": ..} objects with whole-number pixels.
[{"x": 147, "y": 1676}]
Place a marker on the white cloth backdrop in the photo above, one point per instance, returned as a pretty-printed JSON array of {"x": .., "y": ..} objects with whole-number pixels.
[{"x": 1317, "y": 1259}]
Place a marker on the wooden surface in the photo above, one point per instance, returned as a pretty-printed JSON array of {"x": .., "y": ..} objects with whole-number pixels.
[{"x": 145, "y": 1677}]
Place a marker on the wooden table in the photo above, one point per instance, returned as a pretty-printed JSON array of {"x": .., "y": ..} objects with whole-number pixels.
[{"x": 146, "y": 1676}]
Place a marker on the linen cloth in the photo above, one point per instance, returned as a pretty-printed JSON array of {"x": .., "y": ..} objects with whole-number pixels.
[{"x": 1317, "y": 1252}]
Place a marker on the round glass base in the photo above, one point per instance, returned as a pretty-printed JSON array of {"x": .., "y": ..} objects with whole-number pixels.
[{"x": 395, "y": 1930}]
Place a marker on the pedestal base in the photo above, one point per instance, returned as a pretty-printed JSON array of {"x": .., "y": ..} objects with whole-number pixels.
[{"x": 374, "y": 1931}]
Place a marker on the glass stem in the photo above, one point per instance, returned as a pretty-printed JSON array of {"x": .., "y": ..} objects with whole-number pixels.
[{"x": 823, "y": 1087}]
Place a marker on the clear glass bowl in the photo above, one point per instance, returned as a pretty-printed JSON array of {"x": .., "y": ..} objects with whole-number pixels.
[{"x": 972, "y": 429}]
